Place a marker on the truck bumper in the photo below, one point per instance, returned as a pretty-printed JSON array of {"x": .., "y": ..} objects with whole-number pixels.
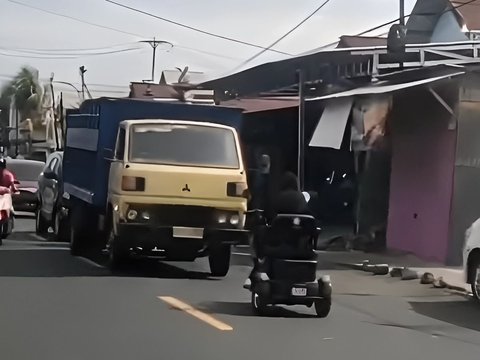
[{"x": 163, "y": 241}]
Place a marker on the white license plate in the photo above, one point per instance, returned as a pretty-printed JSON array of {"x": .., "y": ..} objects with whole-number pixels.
[
  {"x": 187, "y": 232},
  {"x": 299, "y": 291}
]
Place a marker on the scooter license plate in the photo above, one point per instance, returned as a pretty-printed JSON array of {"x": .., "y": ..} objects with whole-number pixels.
[{"x": 299, "y": 291}]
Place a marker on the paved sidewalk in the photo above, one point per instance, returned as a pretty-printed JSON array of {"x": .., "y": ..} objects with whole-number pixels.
[{"x": 451, "y": 275}]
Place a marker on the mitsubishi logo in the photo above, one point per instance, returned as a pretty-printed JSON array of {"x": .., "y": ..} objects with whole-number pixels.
[{"x": 186, "y": 188}]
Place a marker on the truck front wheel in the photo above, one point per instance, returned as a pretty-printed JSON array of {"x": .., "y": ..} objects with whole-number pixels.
[
  {"x": 219, "y": 260},
  {"x": 118, "y": 255}
]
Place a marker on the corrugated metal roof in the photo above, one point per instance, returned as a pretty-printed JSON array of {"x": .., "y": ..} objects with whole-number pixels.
[
  {"x": 251, "y": 105},
  {"x": 423, "y": 20},
  {"x": 152, "y": 91},
  {"x": 469, "y": 12},
  {"x": 349, "y": 41}
]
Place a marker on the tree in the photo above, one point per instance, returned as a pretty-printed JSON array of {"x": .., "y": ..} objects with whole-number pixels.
[{"x": 27, "y": 92}]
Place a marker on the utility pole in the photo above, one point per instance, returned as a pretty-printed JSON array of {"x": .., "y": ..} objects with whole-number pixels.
[
  {"x": 154, "y": 44},
  {"x": 82, "y": 76},
  {"x": 54, "y": 115},
  {"x": 301, "y": 129},
  {"x": 402, "y": 12}
]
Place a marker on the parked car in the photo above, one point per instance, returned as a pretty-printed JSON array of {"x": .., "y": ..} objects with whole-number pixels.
[
  {"x": 50, "y": 211},
  {"x": 26, "y": 172},
  {"x": 471, "y": 258}
]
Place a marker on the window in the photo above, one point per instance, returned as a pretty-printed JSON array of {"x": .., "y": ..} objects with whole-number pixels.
[
  {"x": 120, "y": 149},
  {"x": 184, "y": 145}
]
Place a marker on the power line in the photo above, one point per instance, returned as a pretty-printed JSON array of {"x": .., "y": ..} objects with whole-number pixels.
[
  {"x": 72, "y": 18},
  {"x": 195, "y": 29},
  {"x": 66, "y": 56},
  {"x": 34, "y": 50},
  {"x": 37, "y": 57},
  {"x": 390, "y": 23},
  {"x": 407, "y": 16},
  {"x": 105, "y": 27},
  {"x": 207, "y": 53},
  {"x": 284, "y": 35}
]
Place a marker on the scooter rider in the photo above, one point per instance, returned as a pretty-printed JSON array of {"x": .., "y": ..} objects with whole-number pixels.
[
  {"x": 290, "y": 200},
  {"x": 7, "y": 178}
]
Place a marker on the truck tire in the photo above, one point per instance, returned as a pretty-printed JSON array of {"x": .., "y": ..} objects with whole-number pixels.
[
  {"x": 219, "y": 260},
  {"x": 60, "y": 227},
  {"x": 41, "y": 226},
  {"x": 77, "y": 234},
  {"x": 118, "y": 254}
]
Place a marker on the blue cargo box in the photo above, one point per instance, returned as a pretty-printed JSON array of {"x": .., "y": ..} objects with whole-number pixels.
[{"x": 94, "y": 128}]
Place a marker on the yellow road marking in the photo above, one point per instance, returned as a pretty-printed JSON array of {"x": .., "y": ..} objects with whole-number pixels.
[{"x": 210, "y": 320}]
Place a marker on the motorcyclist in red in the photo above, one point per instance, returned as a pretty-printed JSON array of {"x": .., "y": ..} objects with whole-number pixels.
[{"x": 7, "y": 178}]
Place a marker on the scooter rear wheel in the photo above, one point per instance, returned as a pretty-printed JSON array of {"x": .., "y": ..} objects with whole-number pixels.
[{"x": 322, "y": 307}]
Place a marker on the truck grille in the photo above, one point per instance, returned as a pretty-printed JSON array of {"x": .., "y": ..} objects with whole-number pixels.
[{"x": 177, "y": 215}]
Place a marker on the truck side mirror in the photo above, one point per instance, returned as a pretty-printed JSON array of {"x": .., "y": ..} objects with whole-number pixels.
[{"x": 108, "y": 154}]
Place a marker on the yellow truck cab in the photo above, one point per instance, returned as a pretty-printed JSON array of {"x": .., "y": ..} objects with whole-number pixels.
[{"x": 177, "y": 190}]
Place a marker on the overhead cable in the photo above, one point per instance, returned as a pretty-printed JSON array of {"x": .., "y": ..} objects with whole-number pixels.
[{"x": 194, "y": 28}]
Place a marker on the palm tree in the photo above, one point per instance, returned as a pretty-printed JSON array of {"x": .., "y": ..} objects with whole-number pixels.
[{"x": 26, "y": 92}]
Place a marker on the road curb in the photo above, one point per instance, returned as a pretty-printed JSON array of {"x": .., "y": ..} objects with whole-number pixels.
[{"x": 405, "y": 274}]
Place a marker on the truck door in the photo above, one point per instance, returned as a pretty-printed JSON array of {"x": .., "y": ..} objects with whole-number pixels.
[{"x": 119, "y": 156}]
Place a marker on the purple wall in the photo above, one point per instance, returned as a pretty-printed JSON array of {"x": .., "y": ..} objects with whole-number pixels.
[{"x": 421, "y": 181}]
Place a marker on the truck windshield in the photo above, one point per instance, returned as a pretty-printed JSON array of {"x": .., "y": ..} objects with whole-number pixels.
[{"x": 186, "y": 145}]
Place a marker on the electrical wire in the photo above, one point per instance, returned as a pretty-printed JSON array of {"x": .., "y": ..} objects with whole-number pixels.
[
  {"x": 109, "y": 27},
  {"x": 115, "y": 29},
  {"x": 56, "y": 51},
  {"x": 407, "y": 16},
  {"x": 68, "y": 57},
  {"x": 38, "y": 57},
  {"x": 389, "y": 23},
  {"x": 72, "y": 18},
  {"x": 283, "y": 36},
  {"x": 195, "y": 29}
]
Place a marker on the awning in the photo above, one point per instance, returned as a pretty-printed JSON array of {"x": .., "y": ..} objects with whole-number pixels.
[
  {"x": 331, "y": 126},
  {"x": 383, "y": 87}
]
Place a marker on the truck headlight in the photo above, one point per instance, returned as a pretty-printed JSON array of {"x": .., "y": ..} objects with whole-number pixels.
[
  {"x": 234, "y": 220},
  {"x": 222, "y": 219},
  {"x": 132, "y": 214}
]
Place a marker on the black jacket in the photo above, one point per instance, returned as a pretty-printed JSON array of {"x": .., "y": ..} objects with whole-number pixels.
[{"x": 290, "y": 200}]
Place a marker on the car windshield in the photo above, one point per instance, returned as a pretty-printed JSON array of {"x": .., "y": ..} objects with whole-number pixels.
[
  {"x": 185, "y": 145},
  {"x": 26, "y": 171}
]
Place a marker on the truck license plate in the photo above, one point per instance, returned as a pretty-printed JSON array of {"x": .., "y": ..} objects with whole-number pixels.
[
  {"x": 187, "y": 232},
  {"x": 299, "y": 291}
]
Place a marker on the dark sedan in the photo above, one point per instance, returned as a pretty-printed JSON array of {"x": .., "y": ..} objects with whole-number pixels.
[{"x": 26, "y": 172}]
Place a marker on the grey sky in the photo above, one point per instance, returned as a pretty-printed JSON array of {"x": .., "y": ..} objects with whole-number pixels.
[{"x": 257, "y": 21}]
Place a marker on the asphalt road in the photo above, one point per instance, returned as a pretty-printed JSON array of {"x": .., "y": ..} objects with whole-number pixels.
[{"x": 55, "y": 306}]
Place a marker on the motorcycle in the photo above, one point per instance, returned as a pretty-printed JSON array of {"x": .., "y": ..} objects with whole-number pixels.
[{"x": 7, "y": 214}]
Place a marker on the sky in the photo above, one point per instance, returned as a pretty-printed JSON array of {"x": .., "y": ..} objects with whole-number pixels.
[{"x": 113, "y": 59}]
